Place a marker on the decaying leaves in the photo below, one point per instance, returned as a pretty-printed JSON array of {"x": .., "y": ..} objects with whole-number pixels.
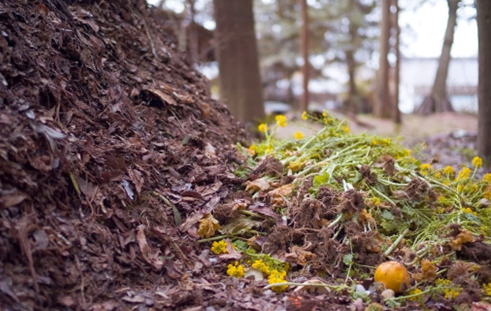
[{"x": 207, "y": 226}]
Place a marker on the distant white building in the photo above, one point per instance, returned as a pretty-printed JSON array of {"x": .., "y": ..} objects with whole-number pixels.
[{"x": 418, "y": 74}]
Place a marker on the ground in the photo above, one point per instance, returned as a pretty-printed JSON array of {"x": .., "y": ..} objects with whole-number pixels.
[{"x": 113, "y": 156}]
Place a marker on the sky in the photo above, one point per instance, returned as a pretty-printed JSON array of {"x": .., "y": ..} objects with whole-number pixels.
[
  {"x": 428, "y": 25},
  {"x": 423, "y": 29}
]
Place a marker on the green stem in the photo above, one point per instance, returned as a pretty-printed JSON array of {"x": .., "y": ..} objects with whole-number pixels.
[
  {"x": 397, "y": 241},
  {"x": 335, "y": 221}
]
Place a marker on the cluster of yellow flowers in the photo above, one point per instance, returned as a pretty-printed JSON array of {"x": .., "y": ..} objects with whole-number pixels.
[
  {"x": 477, "y": 162},
  {"x": 450, "y": 291},
  {"x": 263, "y": 127},
  {"x": 236, "y": 270},
  {"x": 464, "y": 173},
  {"x": 468, "y": 211},
  {"x": 487, "y": 289},
  {"x": 277, "y": 277},
  {"x": 281, "y": 120},
  {"x": 261, "y": 266},
  {"x": 448, "y": 170},
  {"x": 426, "y": 168},
  {"x": 376, "y": 201},
  {"x": 219, "y": 247},
  {"x": 415, "y": 294}
]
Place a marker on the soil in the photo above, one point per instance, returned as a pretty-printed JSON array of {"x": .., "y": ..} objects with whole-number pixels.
[{"x": 112, "y": 151}]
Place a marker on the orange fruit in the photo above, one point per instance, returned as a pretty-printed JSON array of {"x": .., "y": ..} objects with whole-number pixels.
[{"x": 393, "y": 275}]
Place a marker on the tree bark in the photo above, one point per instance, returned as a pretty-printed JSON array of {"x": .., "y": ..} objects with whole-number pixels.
[
  {"x": 484, "y": 86},
  {"x": 438, "y": 100},
  {"x": 350, "y": 61},
  {"x": 352, "y": 108},
  {"x": 304, "y": 47},
  {"x": 236, "y": 48},
  {"x": 396, "y": 113},
  {"x": 192, "y": 30},
  {"x": 382, "y": 102}
]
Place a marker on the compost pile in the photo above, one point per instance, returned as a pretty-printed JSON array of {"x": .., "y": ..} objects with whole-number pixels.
[
  {"x": 124, "y": 186},
  {"x": 108, "y": 138}
]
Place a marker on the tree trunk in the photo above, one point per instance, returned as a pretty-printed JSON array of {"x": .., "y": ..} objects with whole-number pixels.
[
  {"x": 438, "y": 100},
  {"x": 304, "y": 47},
  {"x": 396, "y": 113},
  {"x": 352, "y": 108},
  {"x": 350, "y": 61},
  {"x": 236, "y": 47},
  {"x": 484, "y": 88},
  {"x": 192, "y": 30},
  {"x": 382, "y": 102}
]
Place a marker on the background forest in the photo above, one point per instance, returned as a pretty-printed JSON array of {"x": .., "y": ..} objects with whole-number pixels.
[{"x": 379, "y": 58}]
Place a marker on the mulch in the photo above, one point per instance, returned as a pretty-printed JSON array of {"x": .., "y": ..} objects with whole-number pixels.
[{"x": 109, "y": 139}]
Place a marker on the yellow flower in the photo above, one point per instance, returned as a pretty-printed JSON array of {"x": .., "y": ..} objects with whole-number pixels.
[
  {"x": 448, "y": 170},
  {"x": 449, "y": 290},
  {"x": 451, "y": 293},
  {"x": 376, "y": 201},
  {"x": 263, "y": 127},
  {"x": 438, "y": 175},
  {"x": 374, "y": 142},
  {"x": 426, "y": 167},
  {"x": 252, "y": 149},
  {"x": 487, "y": 195},
  {"x": 219, "y": 247},
  {"x": 464, "y": 173},
  {"x": 415, "y": 292},
  {"x": 235, "y": 270},
  {"x": 298, "y": 135},
  {"x": 468, "y": 211},
  {"x": 261, "y": 266},
  {"x": 487, "y": 289},
  {"x": 487, "y": 178},
  {"x": 346, "y": 129},
  {"x": 477, "y": 162},
  {"x": 277, "y": 277},
  {"x": 281, "y": 120},
  {"x": 408, "y": 152},
  {"x": 324, "y": 113},
  {"x": 305, "y": 116}
]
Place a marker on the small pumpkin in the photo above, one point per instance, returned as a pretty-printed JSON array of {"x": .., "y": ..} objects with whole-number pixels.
[{"x": 393, "y": 275}]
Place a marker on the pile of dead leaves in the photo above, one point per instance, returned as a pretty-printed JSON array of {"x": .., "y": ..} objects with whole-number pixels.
[{"x": 108, "y": 138}]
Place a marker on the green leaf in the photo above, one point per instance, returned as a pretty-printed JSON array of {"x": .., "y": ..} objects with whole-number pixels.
[
  {"x": 387, "y": 215},
  {"x": 321, "y": 179},
  {"x": 348, "y": 259}
]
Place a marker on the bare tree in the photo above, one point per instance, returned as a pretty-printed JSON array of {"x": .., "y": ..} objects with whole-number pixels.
[
  {"x": 382, "y": 101},
  {"x": 438, "y": 100},
  {"x": 236, "y": 50},
  {"x": 484, "y": 88},
  {"x": 304, "y": 47}
]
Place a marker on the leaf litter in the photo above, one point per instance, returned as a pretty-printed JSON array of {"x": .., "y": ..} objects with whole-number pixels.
[{"x": 122, "y": 187}]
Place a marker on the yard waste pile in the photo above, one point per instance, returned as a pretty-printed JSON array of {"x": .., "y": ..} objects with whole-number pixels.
[
  {"x": 330, "y": 210},
  {"x": 124, "y": 186}
]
